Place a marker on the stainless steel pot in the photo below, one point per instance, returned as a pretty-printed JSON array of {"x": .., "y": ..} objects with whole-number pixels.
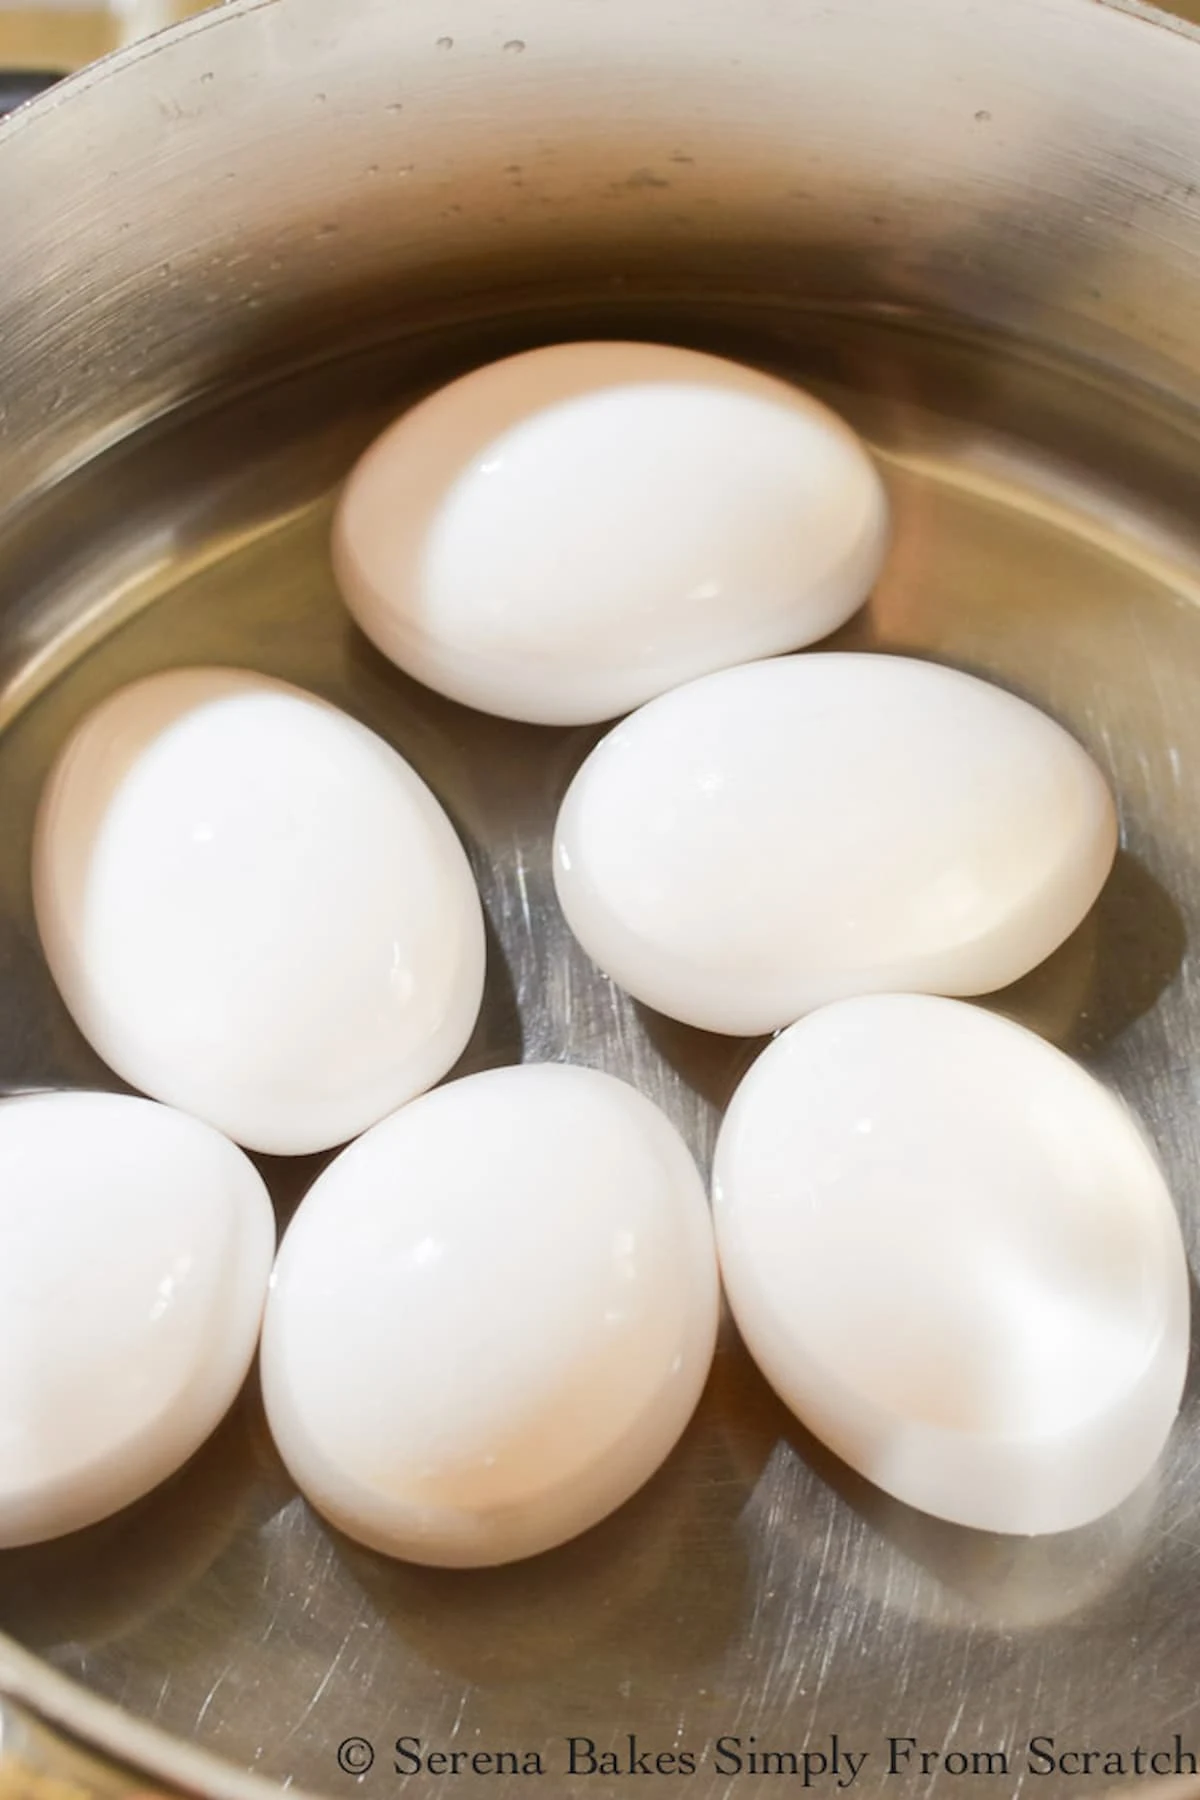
[{"x": 225, "y": 257}]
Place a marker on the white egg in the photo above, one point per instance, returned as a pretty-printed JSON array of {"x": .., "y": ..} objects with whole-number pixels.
[
  {"x": 137, "y": 1244},
  {"x": 559, "y": 536},
  {"x": 255, "y": 909},
  {"x": 492, "y": 1316},
  {"x": 954, "y": 1256},
  {"x": 774, "y": 837}
]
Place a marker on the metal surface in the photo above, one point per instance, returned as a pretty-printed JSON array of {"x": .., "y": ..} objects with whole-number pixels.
[{"x": 817, "y": 189}]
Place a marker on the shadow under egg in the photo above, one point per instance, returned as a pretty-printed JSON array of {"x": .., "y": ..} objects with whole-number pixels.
[
  {"x": 110, "y": 1580},
  {"x": 711, "y": 1064},
  {"x": 929, "y": 1568},
  {"x": 1109, "y": 973},
  {"x": 656, "y": 1589}
]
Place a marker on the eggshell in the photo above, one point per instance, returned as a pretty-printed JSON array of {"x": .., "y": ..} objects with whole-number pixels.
[
  {"x": 558, "y": 536},
  {"x": 953, "y": 1254},
  {"x": 136, "y": 1244},
  {"x": 492, "y": 1316},
  {"x": 255, "y": 909},
  {"x": 774, "y": 837}
]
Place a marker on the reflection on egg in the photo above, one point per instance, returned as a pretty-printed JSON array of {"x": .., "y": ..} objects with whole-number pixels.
[
  {"x": 137, "y": 1246},
  {"x": 954, "y": 1256},
  {"x": 492, "y": 1316},
  {"x": 255, "y": 909},
  {"x": 559, "y": 536},
  {"x": 774, "y": 837}
]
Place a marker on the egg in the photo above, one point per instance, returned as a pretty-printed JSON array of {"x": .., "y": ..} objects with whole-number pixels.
[
  {"x": 953, "y": 1254},
  {"x": 774, "y": 837},
  {"x": 492, "y": 1316},
  {"x": 563, "y": 534},
  {"x": 137, "y": 1244},
  {"x": 255, "y": 909}
]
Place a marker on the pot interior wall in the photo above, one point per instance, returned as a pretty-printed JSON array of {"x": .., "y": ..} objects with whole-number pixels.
[{"x": 280, "y": 177}]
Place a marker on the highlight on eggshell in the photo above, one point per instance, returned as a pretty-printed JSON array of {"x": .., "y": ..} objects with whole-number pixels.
[
  {"x": 492, "y": 1316},
  {"x": 255, "y": 909},
  {"x": 561, "y": 535},
  {"x": 780, "y": 835},
  {"x": 953, "y": 1254},
  {"x": 137, "y": 1248}
]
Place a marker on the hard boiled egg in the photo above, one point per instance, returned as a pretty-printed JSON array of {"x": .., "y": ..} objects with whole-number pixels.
[
  {"x": 255, "y": 909},
  {"x": 560, "y": 535},
  {"x": 777, "y": 836},
  {"x": 954, "y": 1256},
  {"x": 492, "y": 1316},
  {"x": 137, "y": 1244}
]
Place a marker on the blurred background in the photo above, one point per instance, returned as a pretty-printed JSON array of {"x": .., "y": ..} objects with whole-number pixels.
[
  {"x": 56, "y": 34},
  {"x": 63, "y": 34}
]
